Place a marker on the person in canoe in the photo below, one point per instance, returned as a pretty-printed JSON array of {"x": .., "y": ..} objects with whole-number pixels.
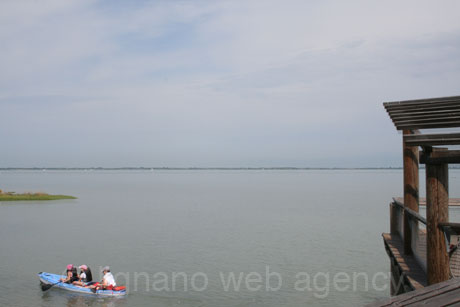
[
  {"x": 71, "y": 274},
  {"x": 85, "y": 276},
  {"x": 108, "y": 281}
]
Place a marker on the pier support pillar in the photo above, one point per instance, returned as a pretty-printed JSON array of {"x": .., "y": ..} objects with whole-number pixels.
[
  {"x": 437, "y": 210},
  {"x": 411, "y": 187}
]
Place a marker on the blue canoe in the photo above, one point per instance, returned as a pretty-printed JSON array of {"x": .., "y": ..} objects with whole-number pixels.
[{"x": 48, "y": 279}]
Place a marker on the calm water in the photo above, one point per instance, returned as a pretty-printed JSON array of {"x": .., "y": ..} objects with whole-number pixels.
[{"x": 205, "y": 224}]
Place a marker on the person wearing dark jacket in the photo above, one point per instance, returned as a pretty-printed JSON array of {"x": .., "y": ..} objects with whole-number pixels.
[
  {"x": 71, "y": 274},
  {"x": 85, "y": 276}
]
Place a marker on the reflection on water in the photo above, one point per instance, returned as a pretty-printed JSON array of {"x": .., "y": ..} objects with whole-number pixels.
[{"x": 74, "y": 299}]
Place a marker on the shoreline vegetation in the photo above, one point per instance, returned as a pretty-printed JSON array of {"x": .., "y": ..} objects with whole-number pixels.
[{"x": 12, "y": 196}]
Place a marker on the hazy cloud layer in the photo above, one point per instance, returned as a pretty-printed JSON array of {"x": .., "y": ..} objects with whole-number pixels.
[{"x": 217, "y": 83}]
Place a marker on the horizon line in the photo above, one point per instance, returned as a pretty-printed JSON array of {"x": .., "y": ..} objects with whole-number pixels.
[{"x": 198, "y": 168}]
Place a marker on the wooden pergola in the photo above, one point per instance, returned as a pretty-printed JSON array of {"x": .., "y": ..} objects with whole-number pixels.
[{"x": 437, "y": 118}]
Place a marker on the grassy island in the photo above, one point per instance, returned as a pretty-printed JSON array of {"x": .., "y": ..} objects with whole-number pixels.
[{"x": 12, "y": 196}]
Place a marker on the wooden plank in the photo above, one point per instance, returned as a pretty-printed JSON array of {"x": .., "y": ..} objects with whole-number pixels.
[
  {"x": 418, "y": 297},
  {"x": 412, "y": 271},
  {"x": 441, "y": 295},
  {"x": 445, "y": 298},
  {"x": 422, "y": 101},
  {"x": 431, "y": 120},
  {"x": 423, "y": 107},
  {"x": 423, "y": 114},
  {"x": 441, "y": 106}
]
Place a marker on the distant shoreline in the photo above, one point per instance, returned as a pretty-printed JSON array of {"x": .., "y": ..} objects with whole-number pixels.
[
  {"x": 187, "y": 168},
  {"x": 281, "y": 168}
]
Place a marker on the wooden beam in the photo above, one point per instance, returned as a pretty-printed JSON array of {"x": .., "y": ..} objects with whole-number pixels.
[
  {"x": 422, "y": 114},
  {"x": 454, "y": 226},
  {"x": 422, "y": 101},
  {"x": 411, "y": 188},
  {"x": 441, "y": 124},
  {"x": 437, "y": 211},
  {"x": 432, "y": 139},
  {"x": 429, "y": 120},
  {"x": 440, "y": 157},
  {"x": 422, "y": 107}
]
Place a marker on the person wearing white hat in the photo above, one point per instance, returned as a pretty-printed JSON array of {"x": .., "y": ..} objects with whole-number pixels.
[{"x": 108, "y": 281}]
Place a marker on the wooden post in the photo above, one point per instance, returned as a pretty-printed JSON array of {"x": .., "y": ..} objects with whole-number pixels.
[
  {"x": 395, "y": 278},
  {"x": 393, "y": 219},
  {"x": 395, "y": 288},
  {"x": 437, "y": 210},
  {"x": 411, "y": 186}
]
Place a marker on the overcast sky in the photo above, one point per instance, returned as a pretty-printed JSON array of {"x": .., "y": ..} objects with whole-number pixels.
[{"x": 217, "y": 83}]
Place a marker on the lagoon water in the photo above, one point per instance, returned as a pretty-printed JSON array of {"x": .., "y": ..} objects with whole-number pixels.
[{"x": 203, "y": 225}]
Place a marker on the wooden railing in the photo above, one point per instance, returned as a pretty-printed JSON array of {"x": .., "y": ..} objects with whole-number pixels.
[
  {"x": 417, "y": 224},
  {"x": 410, "y": 212}
]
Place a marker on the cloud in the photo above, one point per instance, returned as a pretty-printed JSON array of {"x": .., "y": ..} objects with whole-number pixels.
[{"x": 227, "y": 82}]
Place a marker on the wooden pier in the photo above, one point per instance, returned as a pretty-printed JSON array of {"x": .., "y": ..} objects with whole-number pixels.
[
  {"x": 441, "y": 294},
  {"x": 423, "y": 251},
  {"x": 408, "y": 272}
]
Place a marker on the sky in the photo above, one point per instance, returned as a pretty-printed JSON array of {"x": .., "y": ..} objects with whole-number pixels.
[{"x": 217, "y": 83}]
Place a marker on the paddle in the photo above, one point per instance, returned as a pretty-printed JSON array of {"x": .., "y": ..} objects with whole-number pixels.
[{"x": 46, "y": 287}]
